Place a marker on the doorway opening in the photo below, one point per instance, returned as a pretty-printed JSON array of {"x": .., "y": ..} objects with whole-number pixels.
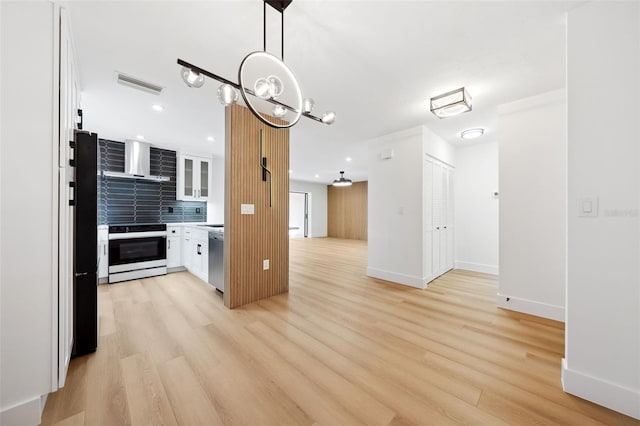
[{"x": 299, "y": 220}]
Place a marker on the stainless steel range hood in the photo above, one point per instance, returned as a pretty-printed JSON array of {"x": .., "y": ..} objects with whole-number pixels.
[{"x": 137, "y": 163}]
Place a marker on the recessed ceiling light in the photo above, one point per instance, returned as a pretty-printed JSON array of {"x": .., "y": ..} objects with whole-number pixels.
[
  {"x": 348, "y": 159},
  {"x": 157, "y": 107},
  {"x": 141, "y": 137},
  {"x": 317, "y": 176},
  {"x": 472, "y": 133},
  {"x": 210, "y": 138},
  {"x": 290, "y": 171}
]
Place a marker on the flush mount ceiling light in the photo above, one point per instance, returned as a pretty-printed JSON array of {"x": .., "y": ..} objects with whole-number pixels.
[
  {"x": 267, "y": 85},
  {"x": 451, "y": 103},
  {"x": 472, "y": 133},
  {"x": 342, "y": 181},
  {"x": 157, "y": 107}
]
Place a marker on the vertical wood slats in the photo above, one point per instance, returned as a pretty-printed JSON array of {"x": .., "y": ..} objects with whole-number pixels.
[
  {"x": 347, "y": 211},
  {"x": 250, "y": 239}
]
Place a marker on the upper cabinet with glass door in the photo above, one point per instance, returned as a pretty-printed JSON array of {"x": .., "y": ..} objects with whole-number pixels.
[{"x": 194, "y": 178}]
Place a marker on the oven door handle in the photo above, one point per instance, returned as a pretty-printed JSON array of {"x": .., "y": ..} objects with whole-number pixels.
[{"x": 130, "y": 235}]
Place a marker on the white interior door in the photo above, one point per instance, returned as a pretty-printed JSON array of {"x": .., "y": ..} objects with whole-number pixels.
[
  {"x": 437, "y": 219},
  {"x": 298, "y": 215},
  {"x": 444, "y": 217},
  {"x": 427, "y": 196},
  {"x": 450, "y": 221},
  {"x": 69, "y": 103}
]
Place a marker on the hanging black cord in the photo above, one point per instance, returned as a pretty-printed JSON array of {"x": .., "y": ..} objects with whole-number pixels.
[
  {"x": 264, "y": 26},
  {"x": 282, "y": 34}
]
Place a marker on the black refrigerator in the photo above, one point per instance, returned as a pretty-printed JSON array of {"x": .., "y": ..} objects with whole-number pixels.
[{"x": 85, "y": 247}]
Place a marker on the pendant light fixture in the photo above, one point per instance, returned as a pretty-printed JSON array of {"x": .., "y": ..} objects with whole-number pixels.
[
  {"x": 451, "y": 103},
  {"x": 342, "y": 181},
  {"x": 267, "y": 85}
]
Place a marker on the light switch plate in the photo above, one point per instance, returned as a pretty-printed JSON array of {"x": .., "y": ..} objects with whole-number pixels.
[
  {"x": 265, "y": 264},
  {"x": 588, "y": 207},
  {"x": 246, "y": 208}
]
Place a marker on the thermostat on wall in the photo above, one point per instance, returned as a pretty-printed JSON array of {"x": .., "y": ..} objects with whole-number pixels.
[{"x": 386, "y": 154}]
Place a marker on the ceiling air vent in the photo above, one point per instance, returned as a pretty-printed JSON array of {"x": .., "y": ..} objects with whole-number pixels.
[{"x": 136, "y": 83}]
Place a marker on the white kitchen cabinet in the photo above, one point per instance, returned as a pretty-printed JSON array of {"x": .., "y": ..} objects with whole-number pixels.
[
  {"x": 200, "y": 254},
  {"x": 187, "y": 249},
  {"x": 193, "y": 178},
  {"x": 103, "y": 254},
  {"x": 195, "y": 252},
  {"x": 200, "y": 263},
  {"x": 439, "y": 217},
  {"x": 174, "y": 247}
]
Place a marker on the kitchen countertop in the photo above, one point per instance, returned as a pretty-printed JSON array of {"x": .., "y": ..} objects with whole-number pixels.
[{"x": 196, "y": 225}]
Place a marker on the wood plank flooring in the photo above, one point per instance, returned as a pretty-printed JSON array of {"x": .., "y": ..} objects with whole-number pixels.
[{"x": 339, "y": 349}]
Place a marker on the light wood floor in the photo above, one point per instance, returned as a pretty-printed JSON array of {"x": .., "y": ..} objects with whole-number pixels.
[{"x": 339, "y": 349}]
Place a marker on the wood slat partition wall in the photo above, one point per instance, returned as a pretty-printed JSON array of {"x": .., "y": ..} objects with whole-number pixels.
[
  {"x": 249, "y": 239},
  {"x": 347, "y": 211}
]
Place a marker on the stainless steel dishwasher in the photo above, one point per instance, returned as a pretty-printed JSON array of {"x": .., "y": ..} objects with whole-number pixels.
[{"x": 216, "y": 262}]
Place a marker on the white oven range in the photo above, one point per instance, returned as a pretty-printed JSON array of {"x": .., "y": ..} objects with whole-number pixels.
[{"x": 137, "y": 251}]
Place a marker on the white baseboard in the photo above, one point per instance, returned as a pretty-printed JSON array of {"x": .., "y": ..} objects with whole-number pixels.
[
  {"x": 602, "y": 392},
  {"x": 28, "y": 413},
  {"x": 532, "y": 307},
  {"x": 477, "y": 267},
  {"x": 410, "y": 280}
]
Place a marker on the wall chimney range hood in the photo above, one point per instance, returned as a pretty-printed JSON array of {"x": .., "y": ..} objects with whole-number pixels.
[{"x": 137, "y": 163}]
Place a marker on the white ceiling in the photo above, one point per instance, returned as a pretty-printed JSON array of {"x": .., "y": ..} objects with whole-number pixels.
[{"x": 375, "y": 63}]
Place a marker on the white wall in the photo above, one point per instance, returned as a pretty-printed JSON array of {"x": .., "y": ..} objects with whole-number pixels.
[
  {"x": 437, "y": 147},
  {"x": 27, "y": 159},
  {"x": 395, "y": 204},
  {"x": 318, "y": 207},
  {"x": 476, "y": 208},
  {"x": 215, "y": 207},
  {"x": 532, "y": 166},
  {"x": 602, "y": 357}
]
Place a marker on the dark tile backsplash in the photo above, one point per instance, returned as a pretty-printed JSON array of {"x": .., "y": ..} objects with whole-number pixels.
[{"x": 137, "y": 201}]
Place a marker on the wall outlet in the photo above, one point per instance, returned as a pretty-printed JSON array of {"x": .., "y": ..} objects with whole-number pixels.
[
  {"x": 246, "y": 208},
  {"x": 265, "y": 264}
]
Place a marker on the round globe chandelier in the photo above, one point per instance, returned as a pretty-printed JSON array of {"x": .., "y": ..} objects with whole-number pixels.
[{"x": 266, "y": 84}]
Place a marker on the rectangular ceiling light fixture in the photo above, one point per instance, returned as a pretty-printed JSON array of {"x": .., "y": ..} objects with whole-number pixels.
[{"x": 451, "y": 103}]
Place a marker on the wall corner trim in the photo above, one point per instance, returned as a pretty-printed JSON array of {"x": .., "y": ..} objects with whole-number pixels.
[
  {"x": 397, "y": 278},
  {"x": 531, "y": 307},
  {"x": 25, "y": 413},
  {"x": 602, "y": 392},
  {"x": 477, "y": 267},
  {"x": 558, "y": 95}
]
